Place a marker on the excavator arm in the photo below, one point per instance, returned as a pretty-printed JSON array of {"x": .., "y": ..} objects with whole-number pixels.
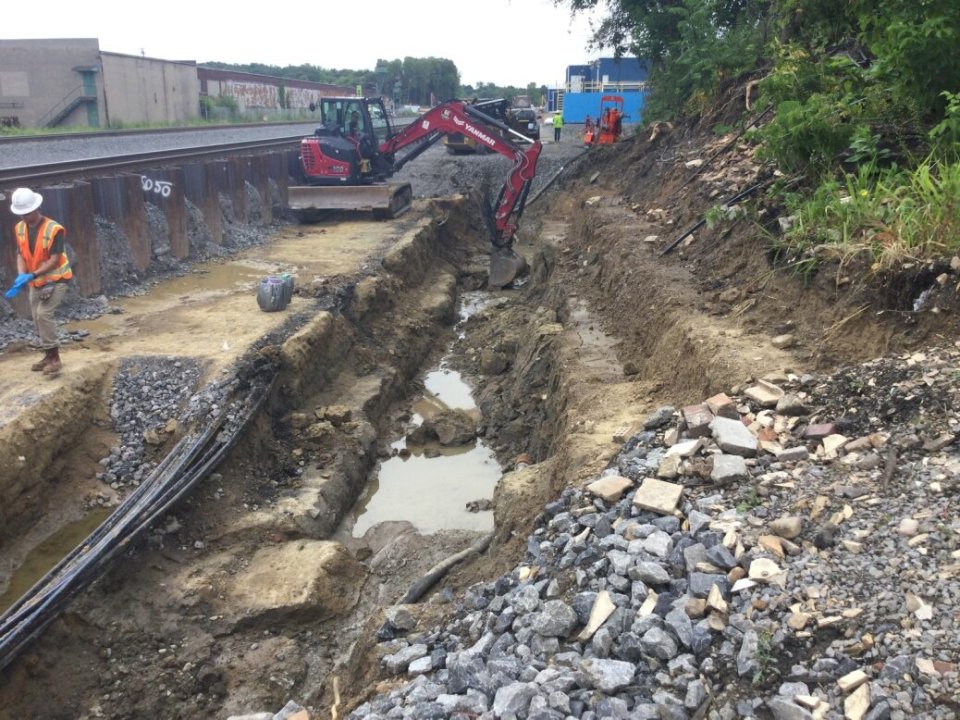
[{"x": 457, "y": 116}]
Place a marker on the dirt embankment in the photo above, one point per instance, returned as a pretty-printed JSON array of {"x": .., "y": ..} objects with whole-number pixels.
[{"x": 611, "y": 326}]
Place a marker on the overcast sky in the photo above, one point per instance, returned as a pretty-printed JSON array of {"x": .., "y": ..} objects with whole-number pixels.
[{"x": 506, "y": 42}]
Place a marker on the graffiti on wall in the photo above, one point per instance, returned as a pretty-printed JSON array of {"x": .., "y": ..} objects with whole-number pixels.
[
  {"x": 163, "y": 188},
  {"x": 254, "y": 95},
  {"x": 302, "y": 98}
]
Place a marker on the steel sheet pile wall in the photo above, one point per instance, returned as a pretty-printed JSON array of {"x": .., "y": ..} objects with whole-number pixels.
[{"x": 123, "y": 200}]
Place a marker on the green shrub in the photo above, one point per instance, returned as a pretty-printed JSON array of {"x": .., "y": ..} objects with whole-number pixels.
[{"x": 893, "y": 215}]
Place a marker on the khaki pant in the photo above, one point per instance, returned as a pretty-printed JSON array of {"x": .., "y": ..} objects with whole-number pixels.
[{"x": 42, "y": 311}]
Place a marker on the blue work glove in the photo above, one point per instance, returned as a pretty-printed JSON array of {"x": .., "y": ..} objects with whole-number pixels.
[{"x": 22, "y": 279}]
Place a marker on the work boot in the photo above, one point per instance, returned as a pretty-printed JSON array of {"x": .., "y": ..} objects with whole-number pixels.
[
  {"x": 42, "y": 363},
  {"x": 54, "y": 365}
]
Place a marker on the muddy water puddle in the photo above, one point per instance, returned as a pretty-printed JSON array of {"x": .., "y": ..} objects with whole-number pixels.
[
  {"x": 205, "y": 281},
  {"x": 48, "y": 553},
  {"x": 431, "y": 486}
]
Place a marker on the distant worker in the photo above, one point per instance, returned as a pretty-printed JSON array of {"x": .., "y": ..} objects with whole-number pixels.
[
  {"x": 557, "y": 126},
  {"x": 42, "y": 264}
]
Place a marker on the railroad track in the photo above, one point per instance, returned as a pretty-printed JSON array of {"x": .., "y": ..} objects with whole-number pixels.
[
  {"x": 85, "y": 167},
  {"x": 284, "y": 136},
  {"x": 302, "y": 126}
]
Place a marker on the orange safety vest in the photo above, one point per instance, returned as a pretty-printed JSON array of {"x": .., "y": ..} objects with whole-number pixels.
[{"x": 41, "y": 253}]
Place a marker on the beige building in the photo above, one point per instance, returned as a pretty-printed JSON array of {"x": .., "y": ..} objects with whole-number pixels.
[
  {"x": 49, "y": 83},
  {"x": 61, "y": 83},
  {"x": 147, "y": 90}
]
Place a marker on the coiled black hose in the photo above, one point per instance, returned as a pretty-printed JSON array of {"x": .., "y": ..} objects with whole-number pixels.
[{"x": 194, "y": 457}]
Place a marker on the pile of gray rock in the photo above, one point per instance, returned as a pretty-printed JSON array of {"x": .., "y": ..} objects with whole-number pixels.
[
  {"x": 789, "y": 550},
  {"x": 150, "y": 397}
]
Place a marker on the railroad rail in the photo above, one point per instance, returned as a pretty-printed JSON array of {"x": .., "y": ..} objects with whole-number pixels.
[
  {"x": 86, "y": 167},
  {"x": 100, "y": 134}
]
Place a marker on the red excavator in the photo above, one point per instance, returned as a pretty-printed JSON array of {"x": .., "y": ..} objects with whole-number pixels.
[
  {"x": 609, "y": 126},
  {"x": 345, "y": 163}
]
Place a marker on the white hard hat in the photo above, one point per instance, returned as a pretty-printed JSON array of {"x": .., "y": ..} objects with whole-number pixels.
[{"x": 24, "y": 201}]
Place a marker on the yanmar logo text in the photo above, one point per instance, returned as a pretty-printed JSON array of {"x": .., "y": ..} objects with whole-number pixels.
[
  {"x": 479, "y": 134},
  {"x": 476, "y": 132}
]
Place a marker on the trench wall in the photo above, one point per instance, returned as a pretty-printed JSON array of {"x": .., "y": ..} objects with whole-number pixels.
[
  {"x": 110, "y": 220},
  {"x": 390, "y": 324}
]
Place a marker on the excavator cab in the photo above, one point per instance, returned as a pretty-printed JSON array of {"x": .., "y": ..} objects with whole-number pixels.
[
  {"x": 610, "y": 123},
  {"x": 345, "y": 150}
]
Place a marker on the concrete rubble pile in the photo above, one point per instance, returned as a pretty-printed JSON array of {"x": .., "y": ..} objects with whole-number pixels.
[{"x": 786, "y": 551}]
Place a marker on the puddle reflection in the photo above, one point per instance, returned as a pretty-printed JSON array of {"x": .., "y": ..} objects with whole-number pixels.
[
  {"x": 430, "y": 486},
  {"x": 48, "y": 553}
]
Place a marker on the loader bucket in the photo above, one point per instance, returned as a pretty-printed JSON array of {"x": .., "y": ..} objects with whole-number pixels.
[{"x": 506, "y": 265}]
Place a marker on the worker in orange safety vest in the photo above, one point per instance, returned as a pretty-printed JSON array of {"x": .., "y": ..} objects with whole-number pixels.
[{"x": 43, "y": 266}]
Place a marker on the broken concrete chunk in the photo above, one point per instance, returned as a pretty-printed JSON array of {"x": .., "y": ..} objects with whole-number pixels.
[
  {"x": 916, "y": 605},
  {"x": 610, "y": 488},
  {"x": 832, "y": 445},
  {"x": 658, "y": 496},
  {"x": 733, "y": 437},
  {"x": 789, "y": 526},
  {"x": 728, "y": 469},
  {"x": 857, "y": 704},
  {"x": 697, "y": 418},
  {"x": 792, "y": 406},
  {"x": 715, "y": 600},
  {"x": 772, "y": 544},
  {"x": 659, "y": 418},
  {"x": 766, "y": 571},
  {"x": 851, "y": 681},
  {"x": 669, "y": 467},
  {"x": 602, "y": 609},
  {"x": 721, "y": 404},
  {"x": 400, "y": 617},
  {"x": 794, "y": 454},
  {"x": 764, "y": 393},
  {"x": 798, "y": 620},
  {"x": 686, "y": 448}
]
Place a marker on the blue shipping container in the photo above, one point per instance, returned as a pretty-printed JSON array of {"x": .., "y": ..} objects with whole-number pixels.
[
  {"x": 576, "y": 106},
  {"x": 624, "y": 70}
]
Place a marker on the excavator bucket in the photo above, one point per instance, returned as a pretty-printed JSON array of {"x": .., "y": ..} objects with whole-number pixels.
[
  {"x": 506, "y": 265},
  {"x": 309, "y": 202}
]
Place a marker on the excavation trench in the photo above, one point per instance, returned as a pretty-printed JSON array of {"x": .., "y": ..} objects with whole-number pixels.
[
  {"x": 271, "y": 580},
  {"x": 250, "y": 558}
]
